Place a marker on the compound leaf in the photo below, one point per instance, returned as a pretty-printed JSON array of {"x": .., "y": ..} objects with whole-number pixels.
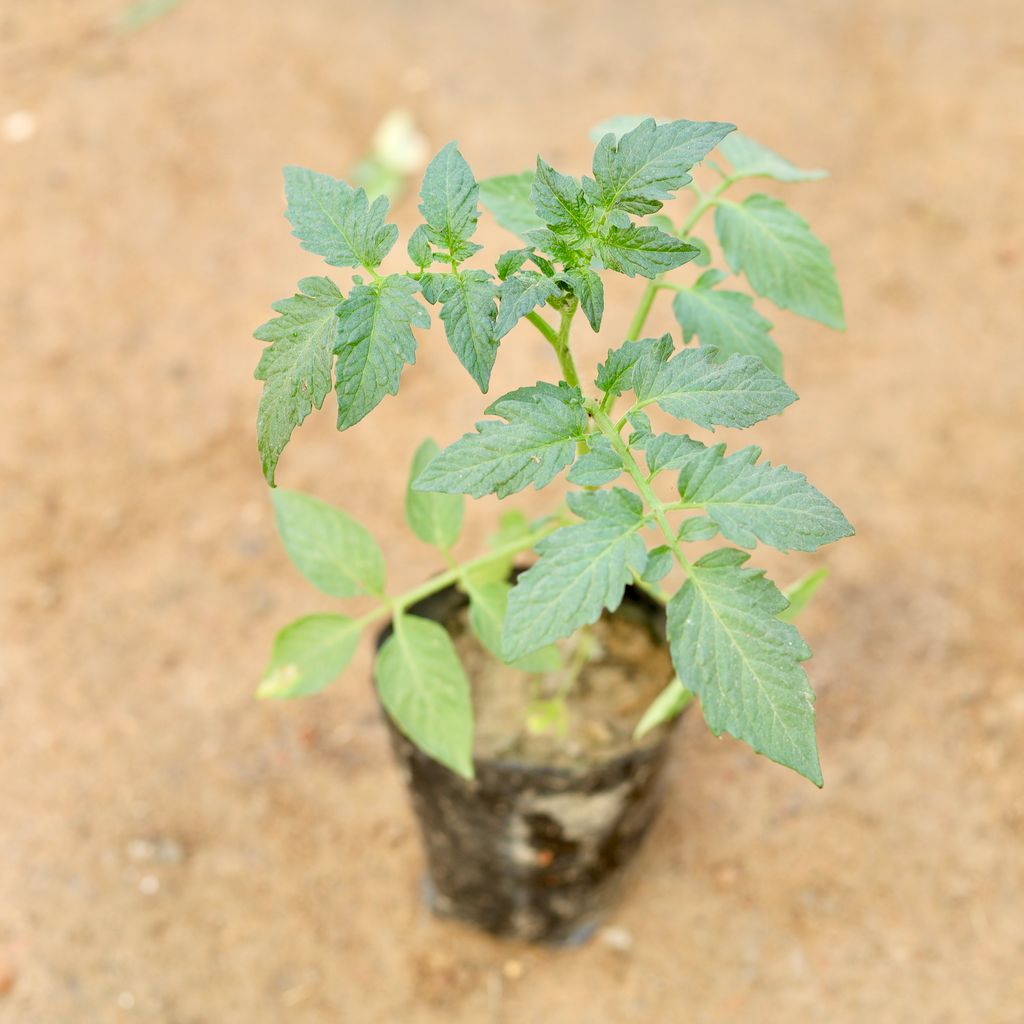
[
  {"x": 469, "y": 314},
  {"x": 332, "y": 550},
  {"x": 425, "y": 691},
  {"x": 374, "y": 343},
  {"x": 729, "y": 647},
  {"x": 296, "y": 365},
  {"x": 337, "y": 221},
  {"x": 582, "y": 569},
  {"x": 434, "y": 518},
  {"x": 751, "y": 501},
  {"x": 782, "y": 259},
  {"x": 544, "y": 423},
  {"x": 309, "y": 654}
]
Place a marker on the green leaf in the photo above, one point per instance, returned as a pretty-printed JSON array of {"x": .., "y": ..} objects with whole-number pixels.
[
  {"x": 618, "y": 125},
  {"x": 449, "y": 195},
  {"x": 375, "y": 341},
  {"x": 589, "y": 289},
  {"x": 728, "y": 321},
  {"x": 328, "y": 546},
  {"x": 800, "y": 593},
  {"x": 644, "y": 251},
  {"x": 425, "y": 691},
  {"x": 513, "y": 527},
  {"x": 659, "y": 564},
  {"x": 752, "y": 502},
  {"x": 697, "y": 528},
  {"x": 731, "y": 650},
  {"x": 296, "y": 365},
  {"x": 539, "y": 440},
  {"x": 558, "y": 248},
  {"x": 419, "y": 249},
  {"x": 693, "y": 386},
  {"x": 488, "y": 603},
  {"x": 469, "y": 314},
  {"x": 582, "y": 569},
  {"x": 750, "y": 159},
  {"x": 782, "y": 259},
  {"x": 511, "y": 261},
  {"x": 309, "y": 654},
  {"x": 642, "y": 430},
  {"x": 642, "y": 168},
  {"x": 508, "y": 199},
  {"x": 670, "y": 451},
  {"x": 336, "y": 221},
  {"x": 599, "y": 466},
  {"x": 669, "y": 704},
  {"x": 560, "y": 203},
  {"x": 616, "y": 375},
  {"x": 434, "y": 518},
  {"x": 521, "y": 294}
]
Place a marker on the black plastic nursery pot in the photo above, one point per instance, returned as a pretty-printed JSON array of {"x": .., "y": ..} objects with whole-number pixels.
[{"x": 529, "y": 851}]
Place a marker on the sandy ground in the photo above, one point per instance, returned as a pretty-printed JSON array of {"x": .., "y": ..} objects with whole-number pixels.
[{"x": 173, "y": 851}]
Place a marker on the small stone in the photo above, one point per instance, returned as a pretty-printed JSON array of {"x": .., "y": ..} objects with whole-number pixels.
[
  {"x": 149, "y": 885},
  {"x": 618, "y": 939},
  {"x": 512, "y": 969}
]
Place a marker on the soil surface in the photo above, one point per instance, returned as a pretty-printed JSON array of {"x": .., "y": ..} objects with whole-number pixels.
[
  {"x": 174, "y": 851},
  {"x": 580, "y": 715}
]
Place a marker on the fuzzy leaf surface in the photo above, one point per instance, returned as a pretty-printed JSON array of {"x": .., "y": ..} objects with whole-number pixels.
[
  {"x": 337, "y": 221},
  {"x": 782, "y": 259},
  {"x": 727, "y": 321},
  {"x": 425, "y": 691},
  {"x": 615, "y": 375},
  {"x": 670, "y": 451},
  {"x": 296, "y": 365},
  {"x": 434, "y": 518},
  {"x": 308, "y": 655},
  {"x": 597, "y": 467},
  {"x": 521, "y": 294},
  {"x": 507, "y": 197},
  {"x": 560, "y": 203},
  {"x": 333, "y": 551},
  {"x": 750, "y": 159},
  {"x": 374, "y": 343},
  {"x": 645, "y": 251},
  {"x": 753, "y": 501},
  {"x": 544, "y": 423},
  {"x": 469, "y": 314},
  {"x": 693, "y": 386},
  {"x": 729, "y": 647},
  {"x": 589, "y": 289},
  {"x": 582, "y": 569},
  {"x": 639, "y": 170},
  {"x": 449, "y": 197}
]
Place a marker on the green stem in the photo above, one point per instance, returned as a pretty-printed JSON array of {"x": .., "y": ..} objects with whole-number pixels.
[
  {"x": 651, "y": 500},
  {"x": 543, "y": 326},
  {"x": 636, "y": 325},
  {"x": 396, "y": 605}
]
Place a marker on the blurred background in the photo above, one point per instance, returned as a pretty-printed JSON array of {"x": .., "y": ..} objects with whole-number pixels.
[{"x": 172, "y": 850}]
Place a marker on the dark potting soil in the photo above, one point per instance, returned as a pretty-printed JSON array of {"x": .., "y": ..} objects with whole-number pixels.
[{"x": 629, "y": 667}]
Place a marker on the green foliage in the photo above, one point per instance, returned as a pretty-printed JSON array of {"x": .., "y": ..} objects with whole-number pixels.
[
  {"x": 296, "y": 365},
  {"x": 434, "y": 518},
  {"x": 752, "y": 502},
  {"x": 783, "y": 261},
  {"x": 800, "y": 593},
  {"x": 544, "y": 423},
  {"x": 422, "y": 685},
  {"x": 309, "y": 654},
  {"x": 731, "y": 650},
  {"x": 727, "y": 321},
  {"x": 329, "y": 548},
  {"x": 374, "y": 343},
  {"x": 732, "y": 642},
  {"x": 582, "y": 569},
  {"x": 337, "y": 221}
]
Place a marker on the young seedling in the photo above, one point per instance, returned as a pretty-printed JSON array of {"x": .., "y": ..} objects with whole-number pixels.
[{"x": 732, "y": 644}]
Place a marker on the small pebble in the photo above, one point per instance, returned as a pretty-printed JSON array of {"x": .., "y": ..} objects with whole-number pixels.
[
  {"x": 513, "y": 970},
  {"x": 149, "y": 884},
  {"x": 617, "y": 938}
]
